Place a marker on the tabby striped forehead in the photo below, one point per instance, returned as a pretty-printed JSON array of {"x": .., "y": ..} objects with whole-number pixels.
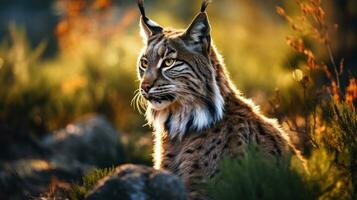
[
  {"x": 160, "y": 47},
  {"x": 161, "y": 43},
  {"x": 170, "y": 44}
]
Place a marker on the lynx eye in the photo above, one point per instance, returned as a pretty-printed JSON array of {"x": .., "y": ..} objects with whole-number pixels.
[
  {"x": 144, "y": 63},
  {"x": 169, "y": 62}
]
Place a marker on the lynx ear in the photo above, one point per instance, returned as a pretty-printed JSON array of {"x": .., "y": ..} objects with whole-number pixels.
[
  {"x": 147, "y": 26},
  {"x": 199, "y": 30}
]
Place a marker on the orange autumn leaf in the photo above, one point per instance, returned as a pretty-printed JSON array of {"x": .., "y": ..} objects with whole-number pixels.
[{"x": 351, "y": 92}]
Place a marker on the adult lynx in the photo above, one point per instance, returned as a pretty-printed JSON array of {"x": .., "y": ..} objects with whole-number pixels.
[{"x": 197, "y": 114}]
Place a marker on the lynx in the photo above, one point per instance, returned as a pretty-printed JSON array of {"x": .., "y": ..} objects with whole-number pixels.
[{"x": 197, "y": 114}]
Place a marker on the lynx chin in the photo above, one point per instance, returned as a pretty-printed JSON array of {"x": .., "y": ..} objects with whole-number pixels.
[{"x": 198, "y": 116}]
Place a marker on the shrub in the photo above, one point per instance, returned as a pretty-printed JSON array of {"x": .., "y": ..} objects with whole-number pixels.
[{"x": 254, "y": 176}]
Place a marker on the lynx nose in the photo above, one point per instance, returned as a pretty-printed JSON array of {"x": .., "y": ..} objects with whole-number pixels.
[{"x": 145, "y": 86}]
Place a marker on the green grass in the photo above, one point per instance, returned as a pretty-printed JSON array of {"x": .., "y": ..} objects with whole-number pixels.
[
  {"x": 255, "y": 177},
  {"x": 89, "y": 181}
]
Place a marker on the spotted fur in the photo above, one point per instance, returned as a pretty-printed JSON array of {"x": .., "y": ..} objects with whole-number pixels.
[{"x": 198, "y": 116}]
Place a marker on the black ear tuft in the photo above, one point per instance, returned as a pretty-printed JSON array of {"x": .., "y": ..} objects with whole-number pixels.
[
  {"x": 141, "y": 7},
  {"x": 204, "y": 5},
  {"x": 148, "y": 27}
]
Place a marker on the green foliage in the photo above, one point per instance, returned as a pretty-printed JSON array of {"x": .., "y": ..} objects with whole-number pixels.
[
  {"x": 20, "y": 97},
  {"x": 89, "y": 181},
  {"x": 341, "y": 140},
  {"x": 258, "y": 176},
  {"x": 324, "y": 176},
  {"x": 345, "y": 123},
  {"x": 38, "y": 95}
]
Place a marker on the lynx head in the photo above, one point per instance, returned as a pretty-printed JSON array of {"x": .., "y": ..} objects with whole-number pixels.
[{"x": 177, "y": 76}]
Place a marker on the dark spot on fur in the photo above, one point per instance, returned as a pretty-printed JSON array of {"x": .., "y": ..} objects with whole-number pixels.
[
  {"x": 170, "y": 155},
  {"x": 230, "y": 129},
  {"x": 206, "y": 164},
  {"x": 272, "y": 152},
  {"x": 212, "y": 147},
  {"x": 272, "y": 139},
  {"x": 199, "y": 147},
  {"x": 215, "y": 156},
  {"x": 217, "y": 130},
  {"x": 189, "y": 151},
  {"x": 236, "y": 103},
  {"x": 195, "y": 166},
  {"x": 219, "y": 142},
  {"x": 239, "y": 142},
  {"x": 261, "y": 130},
  {"x": 225, "y": 146},
  {"x": 209, "y": 150}
]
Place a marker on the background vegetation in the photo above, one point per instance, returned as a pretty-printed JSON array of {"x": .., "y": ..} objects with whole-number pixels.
[{"x": 296, "y": 59}]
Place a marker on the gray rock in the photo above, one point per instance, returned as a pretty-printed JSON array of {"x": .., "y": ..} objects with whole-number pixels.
[
  {"x": 135, "y": 182},
  {"x": 89, "y": 142},
  {"x": 65, "y": 156}
]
